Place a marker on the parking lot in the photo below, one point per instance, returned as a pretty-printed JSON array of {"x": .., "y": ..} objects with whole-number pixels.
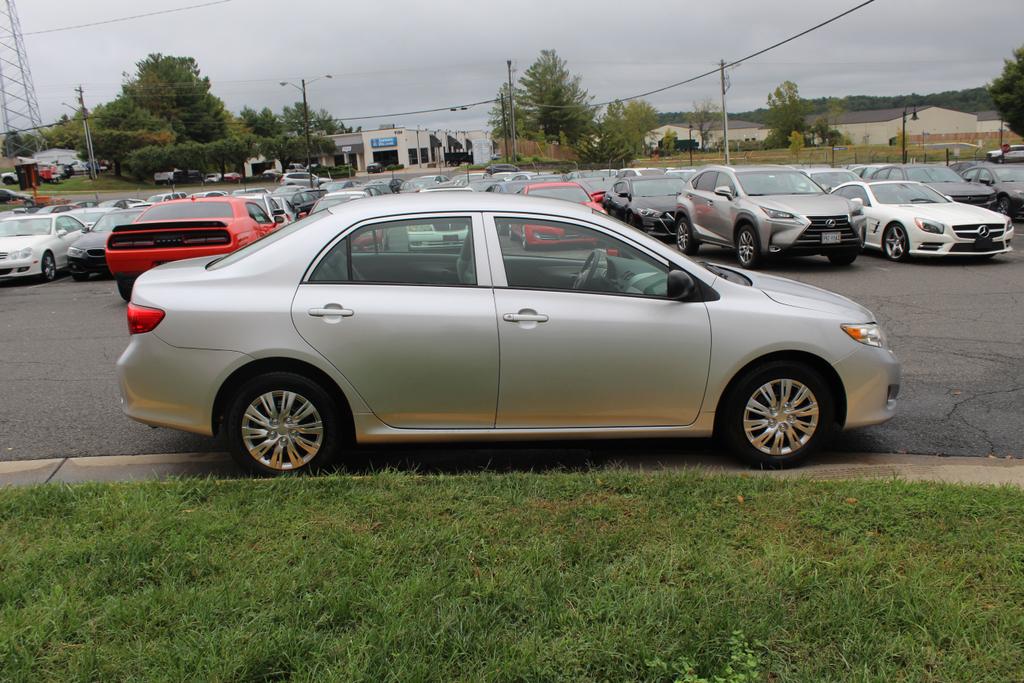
[{"x": 957, "y": 327}]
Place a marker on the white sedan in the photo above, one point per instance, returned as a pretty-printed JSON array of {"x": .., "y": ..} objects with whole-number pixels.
[
  {"x": 37, "y": 246},
  {"x": 906, "y": 218}
]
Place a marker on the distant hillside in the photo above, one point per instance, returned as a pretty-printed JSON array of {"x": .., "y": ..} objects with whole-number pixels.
[{"x": 970, "y": 100}]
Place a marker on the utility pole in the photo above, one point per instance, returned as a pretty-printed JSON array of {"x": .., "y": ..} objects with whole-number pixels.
[
  {"x": 725, "y": 114},
  {"x": 305, "y": 114},
  {"x": 505, "y": 125},
  {"x": 88, "y": 134},
  {"x": 512, "y": 113}
]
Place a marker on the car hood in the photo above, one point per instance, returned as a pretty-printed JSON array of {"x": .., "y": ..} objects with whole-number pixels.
[
  {"x": 806, "y": 205},
  {"x": 952, "y": 213},
  {"x": 799, "y": 295},
  {"x": 960, "y": 189},
  {"x": 92, "y": 240},
  {"x": 664, "y": 203},
  {"x": 18, "y": 243}
]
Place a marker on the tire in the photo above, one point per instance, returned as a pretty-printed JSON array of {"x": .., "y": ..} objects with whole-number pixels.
[
  {"x": 524, "y": 242},
  {"x": 748, "y": 247},
  {"x": 795, "y": 444},
  {"x": 79, "y": 277},
  {"x": 124, "y": 288},
  {"x": 1003, "y": 205},
  {"x": 895, "y": 243},
  {"x": 254, "y": 404},
  {"x": 47, "y": 268},
  {"x": 843, "y": 258},
  {"x": 685, "y": 240}
]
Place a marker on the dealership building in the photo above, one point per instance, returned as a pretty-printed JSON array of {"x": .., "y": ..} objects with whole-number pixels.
[{"x": 410, "y": 147}]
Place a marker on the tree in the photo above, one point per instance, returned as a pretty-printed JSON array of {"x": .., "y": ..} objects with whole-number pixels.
[
  {"x": 796, "y": 142},
  {"x": 293, "y": 120},
  {"x": 263, "y": 123},
  {"x": 66, "y": 134},
  {"x": 704, "y": 115},
  {"x": 607, "y": 143},
  {"x": 498, "y": 116},
  {"x": 554, "y": 100},
  {"x": 283, "y": 148},
  {"x": 639, "y": 118},
  {"x": 172, "y": 89},
  {"x": 231, "y": 152},
  {"x": 116, "y": 146},
  {"x": 1007, "y": 92},
  {"x": 668, "y": 142},
  {"x": 787, "y": 112}
]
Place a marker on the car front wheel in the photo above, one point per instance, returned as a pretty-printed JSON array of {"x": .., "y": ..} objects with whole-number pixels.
[
  {"x": 685, "y": 241},
  {"x": 281, "y": 422},
  {"x": 777, "y": 415},
  {"x": 48, "y": 268},
  {"x": 895, "y": 243},
  {"x": 748, "y": 247}
]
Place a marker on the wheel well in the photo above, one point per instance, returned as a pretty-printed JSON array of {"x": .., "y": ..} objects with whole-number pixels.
[
  {"x": 265, "y": 365},
  {"x": 739, "y": 224},
  {"x": 822, "y": 366}
]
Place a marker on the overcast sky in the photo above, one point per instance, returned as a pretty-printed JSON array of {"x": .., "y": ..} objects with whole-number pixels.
[{"x": 400, "y": 56}]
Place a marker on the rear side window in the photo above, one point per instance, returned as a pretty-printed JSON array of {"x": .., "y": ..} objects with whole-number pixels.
[
  {"x": 421, "y": 251},
  {"x": 178, "y": 210},
  {"x": 257, "y": 214}
]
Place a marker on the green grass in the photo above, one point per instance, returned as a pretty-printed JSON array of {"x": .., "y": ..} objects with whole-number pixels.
[
  {"x": 577, "y": 577},
  {"x": 104, "y": 183}
]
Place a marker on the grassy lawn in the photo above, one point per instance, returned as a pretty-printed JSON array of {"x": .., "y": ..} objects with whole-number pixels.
[{"x": 578, "y": 577}]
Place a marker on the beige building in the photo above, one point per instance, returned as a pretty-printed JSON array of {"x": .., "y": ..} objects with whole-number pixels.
[
  {"x": 990, "y": 122},
  {"x": 882, "y": 126},
  {"x": 739, "y": 131}
]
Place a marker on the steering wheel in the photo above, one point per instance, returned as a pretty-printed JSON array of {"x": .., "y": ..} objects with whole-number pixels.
[{"x": 594, "y": 268}]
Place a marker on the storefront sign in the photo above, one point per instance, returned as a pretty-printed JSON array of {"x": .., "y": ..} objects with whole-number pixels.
[{"x": 384, "y": 142}]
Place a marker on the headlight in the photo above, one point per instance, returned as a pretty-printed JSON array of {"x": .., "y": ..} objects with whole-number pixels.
[
  {"x": 930, "y": 226},
  {"x": 75, "y": 251},
  {"x": 778, "y": 215},
  {"x": 24, "y": 253},
  {"x": 868, "y": 333},
  {"x": 648, "y": 212}
]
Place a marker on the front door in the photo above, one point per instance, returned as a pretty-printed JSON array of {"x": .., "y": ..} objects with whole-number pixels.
[
  {"x": 398, "y": 309},
  {"x": 587, "y": 337}
]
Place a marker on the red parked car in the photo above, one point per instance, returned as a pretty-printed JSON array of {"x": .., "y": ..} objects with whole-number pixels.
[
  {"x": 182, "y": 229},
  {"x": 536, "y": 235}
]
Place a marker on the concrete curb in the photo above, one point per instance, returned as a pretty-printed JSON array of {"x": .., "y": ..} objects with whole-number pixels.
[{"x": 838, "y": 466}]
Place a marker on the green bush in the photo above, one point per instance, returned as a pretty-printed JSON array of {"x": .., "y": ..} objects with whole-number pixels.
[{"x": 395, "y": 167}]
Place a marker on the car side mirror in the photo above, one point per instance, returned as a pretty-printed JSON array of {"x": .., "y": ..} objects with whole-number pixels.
[
  {"x": 62, "y": 233},
  {"x": 725, "y": 191},
  {"x": 680, "y": 285},
  {"x": 857, "y": 202},
  {"x": 279, "y": 218}
]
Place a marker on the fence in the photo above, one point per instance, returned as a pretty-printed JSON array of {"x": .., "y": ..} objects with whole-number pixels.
[{"x": 532, "y": 148}]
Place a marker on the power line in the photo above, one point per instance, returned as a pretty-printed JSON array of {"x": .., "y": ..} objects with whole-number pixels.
[{"x": 134, "y": 16}]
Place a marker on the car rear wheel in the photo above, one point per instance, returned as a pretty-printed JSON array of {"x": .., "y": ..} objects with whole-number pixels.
[
  {"x": 124, "y": 288},
  {"x": 1003, "y": 205},
  {"x": 685, "y": 241},
  {"x": 895, "y": 243},
  {"x": 47, "y": 268},
  {"x": 777, "y": 415},
  {"x": 281, "y": 422},
  {"x": 748, "y": 247}
]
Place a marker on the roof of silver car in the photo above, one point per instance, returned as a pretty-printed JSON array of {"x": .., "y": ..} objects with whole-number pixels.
[{"x": 442, "y": 202}]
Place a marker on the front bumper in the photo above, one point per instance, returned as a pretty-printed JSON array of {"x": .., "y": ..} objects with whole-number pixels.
[
  {"x": 16, "y": 268},
  {"x": 662, "y": 225},
  {"x": 930, "y": 245},
  {"x": 871, "y": 377},
  {"x": 802, "y": 237},
  {"x": 168, "y": 386}
]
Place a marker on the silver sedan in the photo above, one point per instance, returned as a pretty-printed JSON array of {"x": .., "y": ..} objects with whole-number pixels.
[{"x": 427, "y": 317}]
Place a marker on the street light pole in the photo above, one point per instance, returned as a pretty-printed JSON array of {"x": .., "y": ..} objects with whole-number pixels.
[
  {"x": 305, "y": 117},
  {"x": 903, "y": 138},
  {"x": 689, "y": 145}
]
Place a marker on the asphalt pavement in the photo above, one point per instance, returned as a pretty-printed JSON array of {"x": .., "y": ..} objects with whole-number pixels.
[{"x": 957, "y": 327}]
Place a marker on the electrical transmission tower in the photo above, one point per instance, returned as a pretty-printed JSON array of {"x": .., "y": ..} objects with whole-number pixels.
[{"x": 18, "y": 102}]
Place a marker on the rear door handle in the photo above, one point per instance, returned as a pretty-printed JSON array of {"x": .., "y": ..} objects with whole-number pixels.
[
  {"x": 331, "y": 310},
  {"x": 525, "y": 318}
]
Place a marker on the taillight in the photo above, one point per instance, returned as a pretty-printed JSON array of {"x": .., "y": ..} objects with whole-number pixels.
[{"x": 142, "y": 319}]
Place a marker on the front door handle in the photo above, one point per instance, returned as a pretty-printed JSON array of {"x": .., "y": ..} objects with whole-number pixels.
[
  {"x": 525, "y": 318},
  {"x": 331, "y": 310}
]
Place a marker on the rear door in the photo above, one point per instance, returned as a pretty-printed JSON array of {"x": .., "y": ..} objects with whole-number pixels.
[
  {"x": 401, "y": 309},
  {"x": 590, "y": 349}
]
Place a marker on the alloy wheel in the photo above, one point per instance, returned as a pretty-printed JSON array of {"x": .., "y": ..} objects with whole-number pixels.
[
  {"x": 282, "y": 430},
  {"x": 1004, "y": 206},
  {"x": 781, "y": 417},
  {"x": 746, "y": 247},
  {"x": 682, "y": 236},
  {"x": 896, "y": 243},
  {"x": 49, "y": 268}
]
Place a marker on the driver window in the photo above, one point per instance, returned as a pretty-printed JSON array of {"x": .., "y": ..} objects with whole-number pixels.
[
  {"x": 543, "y": 254},
  {"x": 421, "y": 251}
]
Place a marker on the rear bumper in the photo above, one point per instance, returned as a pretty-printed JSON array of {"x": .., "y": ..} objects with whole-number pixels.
[{"x": 130, "y": 263}]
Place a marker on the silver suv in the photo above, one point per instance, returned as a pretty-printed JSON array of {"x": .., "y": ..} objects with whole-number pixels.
[{"x": 762, "y": 210}]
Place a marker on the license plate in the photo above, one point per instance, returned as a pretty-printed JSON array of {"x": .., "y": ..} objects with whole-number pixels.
[{"x": 831, "y": 237}]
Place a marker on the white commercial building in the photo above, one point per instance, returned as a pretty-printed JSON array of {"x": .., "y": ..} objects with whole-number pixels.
[{"x": 410, "y": 147}]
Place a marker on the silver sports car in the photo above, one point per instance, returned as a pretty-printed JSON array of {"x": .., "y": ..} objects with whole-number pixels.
[{"x": 422, "y": 318}]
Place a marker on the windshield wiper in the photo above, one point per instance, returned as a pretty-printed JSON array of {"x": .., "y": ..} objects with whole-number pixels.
[{"x": 921, "y": 200}]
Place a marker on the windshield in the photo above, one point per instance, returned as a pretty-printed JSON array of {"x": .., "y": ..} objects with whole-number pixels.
[
  {"x": 761, "y": 183},
  {"x": 662, "y": 187},
  {"x": 1009, "y": 175},
  {"x": 328, "y": 202},
  {"x": 573, "y": 193},
  {"x": 188, "y": 209},
  {"x": 683, "y": 175},
  {"x": 938, "y": 174},
  {"x": 834, "y": 178},
  {"x": 906, "y": 193},
  {"x": 90, "y": 216},
  {"x": 109, "y": 221},
  {"x": 418, "y": 184},
  {"x": 344, "y": 184},
  {"x": 27, "y": 226},
  {"x": 264, "y": 242}
]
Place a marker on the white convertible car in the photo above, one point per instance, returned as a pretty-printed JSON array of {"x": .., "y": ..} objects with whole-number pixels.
[
  {"x": 37, "y": 246},
  {"x": 906, "y": 218}
]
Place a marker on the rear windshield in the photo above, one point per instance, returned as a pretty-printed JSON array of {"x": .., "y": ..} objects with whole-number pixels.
[
  {"x": 571, "y": 194},
  {"x": 113, "y": 220},
  {"x": 188, "y": 209}
]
